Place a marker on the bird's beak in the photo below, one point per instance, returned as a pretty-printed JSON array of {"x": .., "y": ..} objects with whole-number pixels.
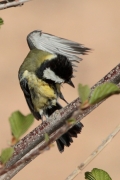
[
  {"x": 62, "y": 97},
  {"x": 70, "y": 83}
]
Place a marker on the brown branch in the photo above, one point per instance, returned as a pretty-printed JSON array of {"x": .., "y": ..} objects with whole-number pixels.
[
  {"x": 39, "y": 149},
  {"x": 11, "y": 3},
  {"x": 57, "y": 122}
]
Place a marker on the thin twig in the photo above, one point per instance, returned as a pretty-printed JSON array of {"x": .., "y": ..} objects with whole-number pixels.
[
  {"x": 9, "y": 4},
  {"x": 35, "y": 139},
  {"x": 94, "y": 154}
]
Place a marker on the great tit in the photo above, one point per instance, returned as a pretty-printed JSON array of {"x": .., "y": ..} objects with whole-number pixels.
[{"x": 48, "y": 65}]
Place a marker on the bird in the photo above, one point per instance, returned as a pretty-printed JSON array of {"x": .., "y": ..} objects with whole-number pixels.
[{"x": 50, "y": 63}]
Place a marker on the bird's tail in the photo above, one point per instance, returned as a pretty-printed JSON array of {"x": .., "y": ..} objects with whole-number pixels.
[{"x": 65, "y": 139}]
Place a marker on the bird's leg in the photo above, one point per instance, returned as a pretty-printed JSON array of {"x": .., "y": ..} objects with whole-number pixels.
[
  {"x": 42, "y": 119},
  {"x": 41, "y": 114},
  {"x": 46, "y": 116}
]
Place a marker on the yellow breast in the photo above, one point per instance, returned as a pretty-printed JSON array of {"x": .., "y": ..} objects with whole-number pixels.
[{"x": 42, "y": 94}]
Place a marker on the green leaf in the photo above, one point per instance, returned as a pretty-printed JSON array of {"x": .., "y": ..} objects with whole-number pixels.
[
  {"x": 6, "y": 154},
  {"x": 71, "y": 121},
  {"x": 97, "y": 174},
  {"x": 1, "y": 21},
  {"x": 89, "y": 176},
  {"x": 19, "y": 123},
  {"x": 103, "y": 91},
  {"x": 46, "y": 137},
  {"x": 84, "y": 92}
]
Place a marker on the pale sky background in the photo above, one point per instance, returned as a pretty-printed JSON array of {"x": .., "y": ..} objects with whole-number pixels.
[{"x": 96, "y": 24}]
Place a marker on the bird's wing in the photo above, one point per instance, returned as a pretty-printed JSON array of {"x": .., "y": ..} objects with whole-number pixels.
[
  {"x": 26, "y": 91},
  {"x": 56, "y": 45}
]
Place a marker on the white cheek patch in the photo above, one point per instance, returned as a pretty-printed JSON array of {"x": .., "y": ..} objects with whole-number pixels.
[{"x": 49, "y": 74}]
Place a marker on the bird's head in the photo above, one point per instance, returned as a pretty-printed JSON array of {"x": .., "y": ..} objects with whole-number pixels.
[{"x": 58, "y": 70}]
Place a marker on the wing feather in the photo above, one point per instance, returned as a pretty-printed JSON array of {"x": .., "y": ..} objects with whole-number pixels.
[
  {"x": 26, "y": 91},
  {"x": 56, "y": 45}
]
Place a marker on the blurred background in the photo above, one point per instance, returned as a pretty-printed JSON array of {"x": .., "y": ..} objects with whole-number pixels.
[{"x": 96, "y": 24}]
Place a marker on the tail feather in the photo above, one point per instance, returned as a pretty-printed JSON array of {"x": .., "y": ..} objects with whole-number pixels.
[
  {"x": 60, "y": 145},
  {"x": 65, "y": 139},
  {"x": 76, "y": 129}
]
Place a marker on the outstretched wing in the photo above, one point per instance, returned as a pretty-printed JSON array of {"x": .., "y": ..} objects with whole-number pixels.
[
  {"x": 56, "y": 45},
  {"x": 26, "y": 91}
]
